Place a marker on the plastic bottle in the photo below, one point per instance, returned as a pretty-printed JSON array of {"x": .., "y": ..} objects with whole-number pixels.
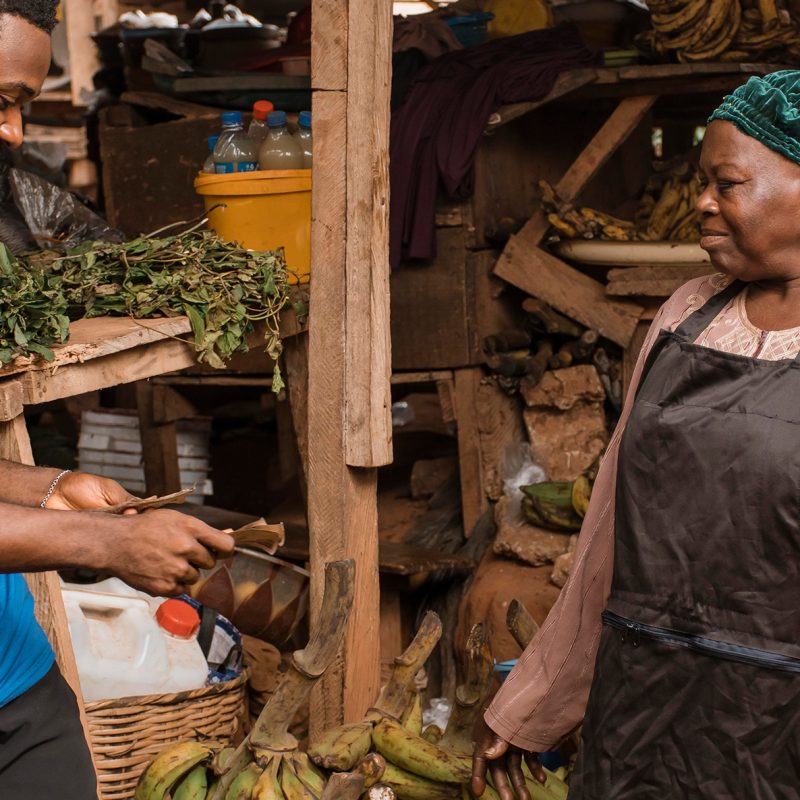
[
  {"x": 123, "y": 650},
  {"x": 304, "y": 138},
  {"x": 234, "y": 151},
  {"x": 279, "y": 150},
  {"x": 209, "y": 165},
  {"x": 258, "y": 129}
]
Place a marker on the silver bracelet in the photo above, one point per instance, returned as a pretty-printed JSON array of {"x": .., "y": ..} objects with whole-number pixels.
[{"x": 52, "y": 488}]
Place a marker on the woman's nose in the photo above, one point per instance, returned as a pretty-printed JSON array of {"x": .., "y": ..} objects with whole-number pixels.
[
  {"x": 11, "y": 126},
  {"x": 706, "y": 203}
]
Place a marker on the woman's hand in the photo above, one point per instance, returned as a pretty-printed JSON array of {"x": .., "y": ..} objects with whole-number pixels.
[
  {"x": 80, "y": 491},
  {"x": 504, "y": 762}
]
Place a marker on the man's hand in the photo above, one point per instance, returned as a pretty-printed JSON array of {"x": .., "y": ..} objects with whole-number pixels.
[
  {"x": 80, "y": 491},
  {"x": 504, "y": 762},
  {"x": 161, "y": 551}
]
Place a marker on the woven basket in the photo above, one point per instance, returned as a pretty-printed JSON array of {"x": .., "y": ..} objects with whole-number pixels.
[{"x": 127, "y": 733}]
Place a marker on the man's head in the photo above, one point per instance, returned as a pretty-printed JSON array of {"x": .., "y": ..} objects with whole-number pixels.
[{"x": 25, "y": 27}]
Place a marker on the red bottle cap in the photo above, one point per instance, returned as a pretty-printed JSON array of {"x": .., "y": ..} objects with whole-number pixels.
[
  {"x": 178, "y": 618},
  {"x": 261, "y": 108}
]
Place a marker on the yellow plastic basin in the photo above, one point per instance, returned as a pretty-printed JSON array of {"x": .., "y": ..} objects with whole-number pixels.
[{"x": 263, "y": 210}]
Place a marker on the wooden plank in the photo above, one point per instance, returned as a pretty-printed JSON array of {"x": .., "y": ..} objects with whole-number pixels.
[
  {"x": 473, "y": 496},
  {"x": 425, "y": 376},
  {"x": 500, "y": 426},
  {"x": 329, "y": 40},
  {"x": 15, "y": 445},
  {"x": 138, "y": 363},
  {"x": 565, "y": 83},
  {"x": 569, "y": 291},
  {"x": 652, "y": 281},
  {"x": 10, "y": 400},
  {"x": 159, "y": 443},
  {"x": 295, "y": 359},
  {"x": 368, "y": 418},
  {"x": 342, "y": 507},
  {"x": 82, "y": 18},
  {"x": 181, "y": 108}
]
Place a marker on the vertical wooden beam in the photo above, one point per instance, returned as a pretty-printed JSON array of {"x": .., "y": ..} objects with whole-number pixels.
[
  {"x": 159, "y": 444},
  {"x": 368, "y": 417},
  {"x": 349, "y": 247}
]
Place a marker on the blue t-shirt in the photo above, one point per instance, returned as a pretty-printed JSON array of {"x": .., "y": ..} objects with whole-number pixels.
[{"x": 25, "y": 652}]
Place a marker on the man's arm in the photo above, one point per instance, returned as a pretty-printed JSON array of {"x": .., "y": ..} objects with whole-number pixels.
[{"x": 24, "y": 485}]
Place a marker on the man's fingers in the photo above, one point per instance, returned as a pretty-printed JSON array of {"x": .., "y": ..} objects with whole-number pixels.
[
  {"x": 532, "y": 760},
  {"x": 515, "y": 773},
  {"x": 478, "y": 775},
  {"x": 497, "y": 748},
  {"x": 501, "y": 785}
]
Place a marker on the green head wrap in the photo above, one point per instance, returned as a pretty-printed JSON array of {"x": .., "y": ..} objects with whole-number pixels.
[{"x": 768, "y": 109}]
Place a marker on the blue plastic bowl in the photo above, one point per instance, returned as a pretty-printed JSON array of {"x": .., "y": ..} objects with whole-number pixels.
[
  {"x": 504, "y": 667},
  {"x": 470, "y": 30}
]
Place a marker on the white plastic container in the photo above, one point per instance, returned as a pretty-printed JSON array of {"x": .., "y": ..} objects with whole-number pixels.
[{"x": 123, "y": 649}]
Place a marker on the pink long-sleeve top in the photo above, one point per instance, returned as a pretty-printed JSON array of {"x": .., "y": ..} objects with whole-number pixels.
[{"x": 545, "y": 696}]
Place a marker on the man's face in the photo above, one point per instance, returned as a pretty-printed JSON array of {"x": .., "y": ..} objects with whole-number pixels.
[{"x": 24, "y": 61}]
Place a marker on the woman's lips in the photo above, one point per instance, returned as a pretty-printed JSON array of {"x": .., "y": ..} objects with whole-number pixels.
[{"x": 710, "y": 238}]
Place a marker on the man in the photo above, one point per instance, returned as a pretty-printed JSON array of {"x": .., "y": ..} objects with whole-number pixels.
[{"x": 44, "y": 525}]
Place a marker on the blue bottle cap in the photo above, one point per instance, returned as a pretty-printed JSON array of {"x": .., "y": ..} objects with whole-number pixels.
[
  {"x": 230, "y": 118},
  {"x": 304, "y": 120},
  {"x": 276, "y": 118},
  {"x": 212, "y": 141}
]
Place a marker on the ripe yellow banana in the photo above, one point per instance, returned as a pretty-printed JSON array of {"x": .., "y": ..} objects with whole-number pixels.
[
  {"x": 562, "y": 227},
  {"x": 342, "y": 748},
  {"x": 549, "y": 504},
  {"x": 714, "y": 46},
  {"x": 293, "y": 787},
  {"x": 168, "y": 768},
  {"x": 581, "y": 494},
  {"x": 243, "y": 784},
  {"x": 419, "y": 756},
  {"x": 268, "y": 787},
  {"x": 194, "y": 786},
  {"x": 412, "y": 719},
  {"x": 674, "y": 21},
  {"x": 408, "y": 786}
]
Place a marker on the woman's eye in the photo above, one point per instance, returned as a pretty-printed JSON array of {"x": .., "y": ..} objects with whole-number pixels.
[{"x": 724, "y": 185}]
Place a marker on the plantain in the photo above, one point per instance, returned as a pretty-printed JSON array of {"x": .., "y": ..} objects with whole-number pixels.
[
  {"x": 268, "y": 787},
  {"x": 581, "y": 494},
  {"x": 372, "y": 768},
  {"x": 408, "y": 786},
  {"x": 617, "y": 234},
  {"x": 686, "y": 16},
  {"x": 308, "y": 774},
  {"x": 471, "y": 695},
  {"x": 194, "y": 786},
  {"x": 341, "y": 748},
  {"x": 601, "y": 218},
  {"x": 768, "y": 9},
  {"x": 707, "y": 29},
  {"x": 293, "y": 788},
  {"x": 716, "y": 45},
  {"x": 168, "y": 768},
  {"x": 243, "y": 784},
  {"x": 663, "y": 212},
  {"x": 412, "y": 717},
  {"x": 221, "y": 760},
  {"x": 562, "y": 227},
  {"x": 419, "y": 756},
  {"x": 433, "y": 733},
  {"x": 551, "y": 505}
]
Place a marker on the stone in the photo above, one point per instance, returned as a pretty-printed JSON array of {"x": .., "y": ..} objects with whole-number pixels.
[
  {"x": 529, "y": 543},
  {"x": 566, "y": 421}
]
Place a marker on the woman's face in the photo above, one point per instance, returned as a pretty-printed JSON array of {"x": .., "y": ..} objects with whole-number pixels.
[
  {"x": 24, "y": 61},
  {"x": 750, "y": 206}
]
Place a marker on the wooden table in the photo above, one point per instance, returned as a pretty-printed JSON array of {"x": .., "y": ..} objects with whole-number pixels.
[{"x": 101, "y": 353}]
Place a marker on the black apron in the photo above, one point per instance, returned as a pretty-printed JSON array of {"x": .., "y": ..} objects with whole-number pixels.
[{"x": 696, "y": 691}]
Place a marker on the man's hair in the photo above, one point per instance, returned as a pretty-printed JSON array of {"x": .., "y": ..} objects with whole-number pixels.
[{"x": 41, "y": 13}]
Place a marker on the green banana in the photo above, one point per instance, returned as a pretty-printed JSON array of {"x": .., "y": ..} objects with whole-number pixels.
[
  {"x": 168, "y": 768},
  {"x": 194, "y": 786},
  {"x": 433, "y": 733},
  {"x": 550, "y": 504},
  {"x": 293, "y": 788},
  {"x": 412, "y": 718},
  {"x": 419, "y": 756},
  {"x": 221, "y": 760},
  {"x": 308, "y": 774},
  {"x": 408, "y": 786},
  {"x": 242, "y": 786},
  {"x": 342, "y": 748},
  {"x": 581, "y": 494},
  {"x": 268, "y": 787}
]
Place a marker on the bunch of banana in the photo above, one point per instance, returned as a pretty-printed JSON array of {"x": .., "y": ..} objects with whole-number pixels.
[
  {"x": 268, "y": 764},
  {"x": 667, "y": 208},
  {"x": 549, "y": 505},
  {"x": 582, "y": 223}
]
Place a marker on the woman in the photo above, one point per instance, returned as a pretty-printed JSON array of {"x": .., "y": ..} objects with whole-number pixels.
[{"x": 691, "y": 546}]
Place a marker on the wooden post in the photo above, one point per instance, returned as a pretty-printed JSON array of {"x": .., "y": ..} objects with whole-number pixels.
[{"x": 349, "y": 423}]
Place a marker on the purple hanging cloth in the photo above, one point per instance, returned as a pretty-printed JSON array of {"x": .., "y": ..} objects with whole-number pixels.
[{"x": 435, "y": 133}]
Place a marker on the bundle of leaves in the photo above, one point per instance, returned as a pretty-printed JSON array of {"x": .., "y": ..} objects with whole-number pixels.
[{"x": 222, "y": 288}]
